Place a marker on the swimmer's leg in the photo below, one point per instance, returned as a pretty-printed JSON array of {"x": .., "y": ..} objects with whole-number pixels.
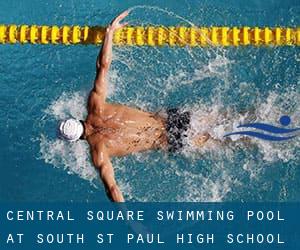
[{"x": 200, "y": 140}]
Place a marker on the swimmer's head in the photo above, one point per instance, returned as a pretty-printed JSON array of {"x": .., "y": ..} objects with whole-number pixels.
[{"x": 70, "y": 130}]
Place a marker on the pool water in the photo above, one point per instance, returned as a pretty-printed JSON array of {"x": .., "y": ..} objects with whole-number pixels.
[{"x": 42, "y": 84}]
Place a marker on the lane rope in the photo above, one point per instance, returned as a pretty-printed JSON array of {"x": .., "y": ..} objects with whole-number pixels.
[{"x": 152, "y": 35}]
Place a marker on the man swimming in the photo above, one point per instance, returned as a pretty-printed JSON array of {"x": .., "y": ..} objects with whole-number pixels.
[{"x": 117, "y": 130}]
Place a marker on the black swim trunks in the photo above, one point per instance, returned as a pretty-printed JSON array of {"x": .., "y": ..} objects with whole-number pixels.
[{"x": 177, "y": 125}]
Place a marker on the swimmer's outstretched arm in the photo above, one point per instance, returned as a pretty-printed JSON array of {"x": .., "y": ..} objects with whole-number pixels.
[
  {"x": 105, "y": 56},
  {"x": 103, "y": 164}
]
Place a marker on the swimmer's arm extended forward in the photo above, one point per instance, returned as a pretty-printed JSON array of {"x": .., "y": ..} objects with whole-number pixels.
[
  {"x": 105, "y": 56},
  {"x": 103, "y": 164}
]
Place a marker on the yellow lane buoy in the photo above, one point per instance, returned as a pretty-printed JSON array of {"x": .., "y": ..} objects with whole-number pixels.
[{"x": 152, "y": 35}]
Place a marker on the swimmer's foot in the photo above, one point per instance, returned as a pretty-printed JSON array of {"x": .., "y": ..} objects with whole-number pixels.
[{"x": 200, "y": 140}]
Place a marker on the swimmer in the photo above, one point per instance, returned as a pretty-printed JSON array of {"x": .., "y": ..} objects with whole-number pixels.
[{"x": 114, "y": 130}]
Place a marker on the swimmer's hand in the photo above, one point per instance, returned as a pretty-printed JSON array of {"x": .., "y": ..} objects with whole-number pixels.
[
  {"x": 105, "y": 57},
  {"x": 115, "y": 24}
]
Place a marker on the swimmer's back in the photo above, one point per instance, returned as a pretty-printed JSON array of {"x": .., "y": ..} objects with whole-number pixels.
[{"x": 126, "y": 130}]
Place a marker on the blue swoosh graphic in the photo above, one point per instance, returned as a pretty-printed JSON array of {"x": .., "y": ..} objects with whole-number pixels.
[
  {"x": 261, "y": 136},
  {"x": 269, "y": 128}
]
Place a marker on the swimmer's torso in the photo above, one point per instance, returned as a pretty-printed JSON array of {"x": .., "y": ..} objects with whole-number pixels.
[{"x": 124, "y": 130}]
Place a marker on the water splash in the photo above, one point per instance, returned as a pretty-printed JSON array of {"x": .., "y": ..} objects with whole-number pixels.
[
  {"x": 74, "y": 158},
  {"x": 209, "y": 83},
  {"x": 192, "y": 186}
]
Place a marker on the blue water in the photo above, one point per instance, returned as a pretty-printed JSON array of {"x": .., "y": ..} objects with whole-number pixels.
[{"x": 42, "y": 84}]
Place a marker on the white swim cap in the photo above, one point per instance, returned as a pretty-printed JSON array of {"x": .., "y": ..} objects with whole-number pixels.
[{"x": 70, "y": 130}]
